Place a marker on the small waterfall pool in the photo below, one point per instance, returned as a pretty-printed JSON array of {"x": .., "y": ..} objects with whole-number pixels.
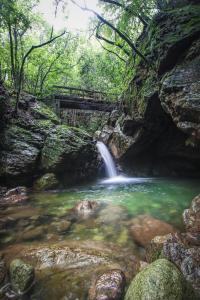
[{"x": 45, "y": 221}]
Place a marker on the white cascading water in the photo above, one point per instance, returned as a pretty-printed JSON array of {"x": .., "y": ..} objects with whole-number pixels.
[
  {"x": 108, "y": 160},
  {"x": 111, "y": 169}
]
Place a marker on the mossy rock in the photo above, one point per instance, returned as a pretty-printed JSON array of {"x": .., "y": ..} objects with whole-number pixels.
[
  {"x": 21, "y": 275},
  {"x": 63, "y": 142},
  {"x": 46, "y": 182},
  {"x": 41, "y": 111},
  {"x": 161, "y": 280}
]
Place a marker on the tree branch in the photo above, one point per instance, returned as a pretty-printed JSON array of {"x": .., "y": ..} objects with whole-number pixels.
[
  {"x": 128, "y": 9},
  {"x": 112, "y": 52},
  {"x": 100, "y": 37},
  {"x": 24, "y": 60},
  {"x": 123, "y": 36}
]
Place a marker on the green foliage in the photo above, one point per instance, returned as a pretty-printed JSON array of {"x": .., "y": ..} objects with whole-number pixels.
[{"x": 72, "y": 60}]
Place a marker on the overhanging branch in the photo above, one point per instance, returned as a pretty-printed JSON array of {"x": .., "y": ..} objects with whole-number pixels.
[
  {"x": 127, "y": 9},
  {"x": 112, "y": 52},
  {"x": 100, "y": 37},
  {"x": 122, "y": 35}
]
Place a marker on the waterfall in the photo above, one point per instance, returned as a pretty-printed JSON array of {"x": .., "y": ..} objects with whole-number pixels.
[{"x": 108, "y": 160}]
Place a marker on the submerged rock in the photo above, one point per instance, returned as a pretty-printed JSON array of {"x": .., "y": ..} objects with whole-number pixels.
[
  {"x": 144, "y": 228},
  {"x": 161, "y": 280},
  {"x": 109, "y": 286},
  {"x": 66, "y": 269},
  {"x": 59, "y": 226},
  {"x": 46, "y": 182},
  {"x": 21, "y": 275},
  {"x": 112, "y": 214},
  {"x": 33, "y": 234},
  {"x": 85, "y": 208}
]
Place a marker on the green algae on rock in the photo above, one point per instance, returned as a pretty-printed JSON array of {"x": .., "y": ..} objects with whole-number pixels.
[
  {"x": 161, "y": 280},
  {"x": 21, "y": 275},
  {"x": 46, "y": 182}
]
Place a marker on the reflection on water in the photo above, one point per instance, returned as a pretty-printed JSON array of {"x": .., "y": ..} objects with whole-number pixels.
[{"x": 45, "y": 216}]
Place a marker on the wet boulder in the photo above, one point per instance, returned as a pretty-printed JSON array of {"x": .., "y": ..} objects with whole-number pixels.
[
  {"x": 46, "y": 182},
  {"x": 109, "y": 286},
  {"x": 15, "y": 196},
  {"x": 21, "y": 275},
  {"x": 191, "y": 219},
  {"x": 161, "y": 280},
  {"x": 154, "y": 249},
  {"x": 144, "y": 228},
  {"x": 84, "y": 209}
]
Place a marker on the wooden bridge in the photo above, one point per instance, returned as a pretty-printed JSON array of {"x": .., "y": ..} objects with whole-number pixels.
[{"x": 82, "y": 99}]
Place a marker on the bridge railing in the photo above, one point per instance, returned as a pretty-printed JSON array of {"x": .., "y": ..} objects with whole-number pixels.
[{"x": 85, "y": 93}]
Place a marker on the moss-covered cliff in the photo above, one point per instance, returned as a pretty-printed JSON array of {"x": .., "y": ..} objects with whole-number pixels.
[
  {"x": 160, "y": 131},
  {"x": 34, "y": 142}
]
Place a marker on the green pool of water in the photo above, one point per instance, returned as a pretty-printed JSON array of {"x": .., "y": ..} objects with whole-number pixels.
[{"x": 164, "y": 199}]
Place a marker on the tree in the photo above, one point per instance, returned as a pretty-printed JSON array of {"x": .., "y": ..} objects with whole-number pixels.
[
  {"x": 51, "y": 40},
  {"x": 122, "y": 35}
]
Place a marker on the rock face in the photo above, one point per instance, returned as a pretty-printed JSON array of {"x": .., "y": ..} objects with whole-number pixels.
[
  {"x": 159, "y": 133},
  {"x": 109, "y": 286},
  {"x": 21, "y": 275},
  {"x": 161, "y": 280},
  {"x": 144, "y": 228},
  {"x": 66, "y": 269},
  {"x": 35, "y": 143}
]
